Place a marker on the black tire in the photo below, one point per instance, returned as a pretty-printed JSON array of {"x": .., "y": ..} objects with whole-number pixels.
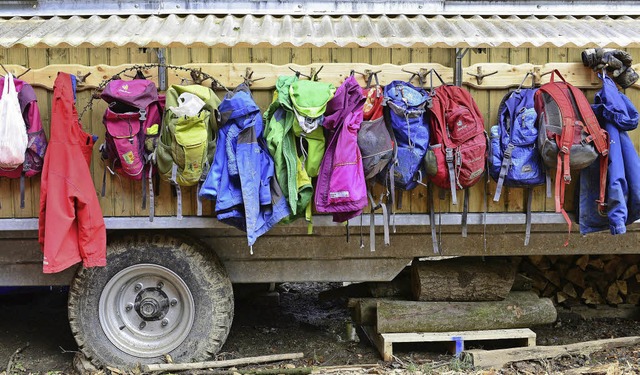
[{"x": 187, "y": 314}]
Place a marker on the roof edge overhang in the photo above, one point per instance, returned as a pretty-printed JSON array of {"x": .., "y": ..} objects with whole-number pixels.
[{"x": 47, "y": 8}]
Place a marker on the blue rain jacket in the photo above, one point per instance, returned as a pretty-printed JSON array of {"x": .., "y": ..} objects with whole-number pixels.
[
  {"x": 241, "y": 181},
  {"x": 617, "y": 115}
]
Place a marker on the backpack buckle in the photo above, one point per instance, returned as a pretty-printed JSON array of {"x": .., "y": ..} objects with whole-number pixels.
[
  {"x": 508, "y": 151},
  {"x": 448, "y": 155},
  {"x": 143, "y": 114}
]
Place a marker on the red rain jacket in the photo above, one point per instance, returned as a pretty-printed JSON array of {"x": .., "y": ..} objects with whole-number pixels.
[{"x": 71, "y": 227}]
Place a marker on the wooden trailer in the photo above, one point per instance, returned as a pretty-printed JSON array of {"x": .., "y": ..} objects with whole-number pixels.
[{"x": 485, "y": 47}]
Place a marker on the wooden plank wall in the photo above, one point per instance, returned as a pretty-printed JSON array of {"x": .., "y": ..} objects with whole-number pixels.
[{"x": 123, "y": 197}]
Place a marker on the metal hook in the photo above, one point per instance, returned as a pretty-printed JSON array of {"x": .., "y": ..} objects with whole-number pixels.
[
  {"x": 298, "y": 74},
  {"x": 524, "y": 79},
  {"x": 480, "y": 75},
  {"x": 247, "y": 77},
  {"x": 414, "y": 74},
  {"x": 314, "y": 73},
  {"x": 197, "y": 77},
  {"x": 82, "y": 79},
  {"x": 370, "y": 75},
  {"x": 23, "y": 73}
]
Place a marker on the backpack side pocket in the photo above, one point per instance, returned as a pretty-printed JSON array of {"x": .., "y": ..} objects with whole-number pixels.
[{"x": 191, "y": 148}]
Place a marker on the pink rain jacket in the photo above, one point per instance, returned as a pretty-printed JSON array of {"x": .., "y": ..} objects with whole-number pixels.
[
  {"x": 71, "y": 227},
  {"x": 341, "y": 188}
]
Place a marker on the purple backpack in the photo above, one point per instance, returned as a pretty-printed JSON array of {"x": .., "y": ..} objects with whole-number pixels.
[
  {"x": 132, "y": 122},
  {"x": 36, "y": 137},
  {"x": 341, "y": 189}
]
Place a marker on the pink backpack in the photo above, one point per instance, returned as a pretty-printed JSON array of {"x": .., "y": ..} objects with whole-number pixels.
[
  {"x": 36, "y": 137},
  {"x": 132, "y": 122},
  {"x": 341, "y": 189}
]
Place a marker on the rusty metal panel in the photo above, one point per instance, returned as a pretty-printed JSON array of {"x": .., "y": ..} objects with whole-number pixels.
[{"x": 323, "y": 31}]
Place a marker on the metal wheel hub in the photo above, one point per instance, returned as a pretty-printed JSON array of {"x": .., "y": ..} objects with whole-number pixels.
[
  {"x": 152, "y": 304},
  {"x": 146, "y": 310}
]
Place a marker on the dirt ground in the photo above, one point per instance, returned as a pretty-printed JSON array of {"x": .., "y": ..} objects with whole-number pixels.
[{"x": 36, "y": 323}]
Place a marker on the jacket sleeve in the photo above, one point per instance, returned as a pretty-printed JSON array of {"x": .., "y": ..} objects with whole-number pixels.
[
  {"x": 92, "y": 234},
  {"x": 43, "y": 208}
]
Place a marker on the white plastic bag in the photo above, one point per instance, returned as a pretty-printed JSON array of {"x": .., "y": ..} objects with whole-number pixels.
[
  {"x": 13, "y": 131},
  {"x": 188, "y": 105}
]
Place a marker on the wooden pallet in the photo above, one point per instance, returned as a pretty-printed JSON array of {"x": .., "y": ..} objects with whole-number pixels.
[{"x": 384, "y": 341}]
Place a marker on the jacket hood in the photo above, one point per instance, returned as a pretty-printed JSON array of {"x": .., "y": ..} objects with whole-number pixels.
[{"x": 347, "y": 99}]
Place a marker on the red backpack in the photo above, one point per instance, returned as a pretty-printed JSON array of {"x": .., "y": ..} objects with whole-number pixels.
[
  {"x": 569, "y": 137},
  {"x": 458, "y": 146}
]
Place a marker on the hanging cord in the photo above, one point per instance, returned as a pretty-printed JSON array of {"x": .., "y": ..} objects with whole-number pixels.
[{"x": 196, "y": 74}]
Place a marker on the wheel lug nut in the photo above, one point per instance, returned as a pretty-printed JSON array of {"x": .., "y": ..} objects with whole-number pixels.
[
  {"x": 173, "y": 302},
  {"x": 160, "y": 285},
  {"x": 164, "y": 322},
  {"x": 129, "y": 307},
  {"x": 137, "y": 287},
  {"x": 142, "y": 325}
]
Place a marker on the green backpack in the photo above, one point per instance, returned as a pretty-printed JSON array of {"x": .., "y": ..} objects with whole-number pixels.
[{"x": 188, "y": 138}]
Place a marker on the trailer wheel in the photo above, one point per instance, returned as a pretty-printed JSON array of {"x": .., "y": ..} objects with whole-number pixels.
[{"x": 158, "y": 295}]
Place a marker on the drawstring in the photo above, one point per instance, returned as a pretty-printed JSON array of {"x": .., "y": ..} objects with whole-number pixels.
[{"x": 303, "y": 150}]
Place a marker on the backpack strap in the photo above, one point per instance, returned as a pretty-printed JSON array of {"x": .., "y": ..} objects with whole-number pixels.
[
  {"x": 564, "y": 142},
  {"x": 22, "y": 190},
  {"x": 432, "y": 219},
  {"x": 600, "y": 140},
  {"x": 198, "y": 200},
  {"x": 527, "y": 233},
  {"x": 504, "y": 168},
  {"x": 152, "y": 208},
  {"x": 449, "y": 158},
  {"x": 465, "y": 212},
  {"x": 174, "y": 173}
]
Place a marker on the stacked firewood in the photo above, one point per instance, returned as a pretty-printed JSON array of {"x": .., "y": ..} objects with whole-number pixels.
[{"x": 585, "y": 279}]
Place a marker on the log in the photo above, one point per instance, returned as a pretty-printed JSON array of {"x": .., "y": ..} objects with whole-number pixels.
[
  {"x": 576, "y": 276},
  {"x": 400, "y": 286},
  {"x": 612, "y": 294},
  {"x": 498, "y": 358},
  {"x": 582, "y": 262},
  {"x": 462, "y": 279},
  {"x": 570, "y": 290},
  {"x": 592, "y": 297},
  {"x": 354, "y": 290},
  {"x": 218, "y": 364},
  {"x": 364, "y": 312},
  {"x": 596, "y": 263},
  {"x": 522, "y": 283},
  {"x": 519, "y": 310}
]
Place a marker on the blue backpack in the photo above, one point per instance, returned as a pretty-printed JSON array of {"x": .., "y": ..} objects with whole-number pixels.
[
  {"x": 405, "y": 110},
  {"x": 514, "y": 159}
]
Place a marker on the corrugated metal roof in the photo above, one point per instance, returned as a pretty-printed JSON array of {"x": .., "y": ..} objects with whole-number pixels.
[
  {"x": 325, "y": 31},
  {"x": 48, "y": 8}
]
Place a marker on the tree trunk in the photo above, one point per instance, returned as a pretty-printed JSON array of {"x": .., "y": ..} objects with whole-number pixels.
[
  {"x": 519, "y": 310},
  {"x": 462, "y": 280}
]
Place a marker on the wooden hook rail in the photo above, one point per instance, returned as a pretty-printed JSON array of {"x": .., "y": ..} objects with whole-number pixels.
[{"x": 501, "y": 76}]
